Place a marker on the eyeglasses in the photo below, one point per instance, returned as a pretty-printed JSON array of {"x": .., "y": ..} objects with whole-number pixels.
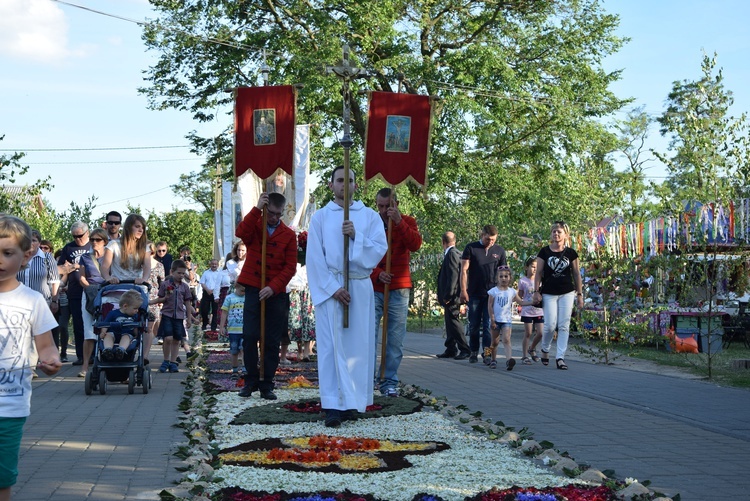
[
  {"x": 503, "y": 267},
  {"x": 114, "y": 222},
  {"x": 160, "y": 251},
  {"x": 44, "y": 247},
  {"x": 559, "y": 223},
  {"x": 272, "y": 213},
  {"x": 79, "y": 236},
  {"x": 97, "y": 239}
]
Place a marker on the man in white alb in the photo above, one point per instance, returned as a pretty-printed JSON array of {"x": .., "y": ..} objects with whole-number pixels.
[{"x": 346, "y": 356}]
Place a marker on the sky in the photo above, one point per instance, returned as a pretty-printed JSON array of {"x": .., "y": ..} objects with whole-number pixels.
[{"x": 70, "y": 78}]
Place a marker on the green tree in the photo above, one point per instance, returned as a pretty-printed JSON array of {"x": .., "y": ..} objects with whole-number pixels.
[
  {"x": 521, "y": 86},
  {"x": 708, "y": 157},
  {"x": 184, "y": 227},
  {"x": 10, "y": 167},
  {"x": 632, "y": 133}
]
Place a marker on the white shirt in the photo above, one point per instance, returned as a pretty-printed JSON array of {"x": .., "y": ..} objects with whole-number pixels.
[{"x": 212, "y": 280}]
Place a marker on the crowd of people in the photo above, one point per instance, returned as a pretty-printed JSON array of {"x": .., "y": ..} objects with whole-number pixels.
[
  {"x": 355, "y": 277},
  {"x": 546, "y": 293}
]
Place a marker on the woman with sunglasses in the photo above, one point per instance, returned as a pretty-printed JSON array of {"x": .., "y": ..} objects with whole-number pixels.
[
  {"x": 558, "y": 285},
  {"x": 91, "y": 278},
  {"x": 128, "y": 258}
]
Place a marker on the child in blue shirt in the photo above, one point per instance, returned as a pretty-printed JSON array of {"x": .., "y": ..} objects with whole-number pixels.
[
  {"x": 123, "y": 335},
  {"x": 231, "y": 325}
]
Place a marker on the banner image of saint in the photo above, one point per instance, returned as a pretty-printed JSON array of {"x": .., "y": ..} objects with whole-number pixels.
[
  {"x": 397, "y": 133},
  {"x": 264, "y": 122}
]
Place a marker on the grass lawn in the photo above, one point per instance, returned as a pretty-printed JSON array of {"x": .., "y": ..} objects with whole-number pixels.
[{"x": 721, "y": 363}]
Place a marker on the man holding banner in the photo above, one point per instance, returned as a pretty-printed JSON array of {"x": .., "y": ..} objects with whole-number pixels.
[
  {"x": 281, "y": 265},
  {"x": 405, "y": 240},
  {"x": 346, "y": 356}
]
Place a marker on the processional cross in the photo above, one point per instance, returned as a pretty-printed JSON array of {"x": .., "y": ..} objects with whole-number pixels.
[{"x": 346, "y": 73}]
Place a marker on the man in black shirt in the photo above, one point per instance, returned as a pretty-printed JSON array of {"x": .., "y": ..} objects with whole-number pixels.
[
  {"x": 479, "y": 264},
  {"x": 72, "y": 253}
]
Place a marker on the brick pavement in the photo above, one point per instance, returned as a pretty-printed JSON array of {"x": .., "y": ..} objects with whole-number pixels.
[
  {"x": 685, "y": 435},
  {"x": 682, "y": 434},
  {"x": 99, "y": 447}
]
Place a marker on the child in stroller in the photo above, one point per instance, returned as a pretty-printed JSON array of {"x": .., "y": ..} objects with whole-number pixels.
[
  {"x": 112, "y": 333},
  {"x": 118, "y": 355}
]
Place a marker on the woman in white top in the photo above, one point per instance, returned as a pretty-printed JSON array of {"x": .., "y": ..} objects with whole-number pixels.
[
  {"x": 128, "y": 259},
  {"x": 235, "y": 264}
]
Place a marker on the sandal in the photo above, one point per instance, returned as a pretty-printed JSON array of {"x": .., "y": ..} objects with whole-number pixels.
[
  {"x": 561, "y": 364},
  {"x": 545, "y": 358},
  {"x": 533, "y": 355},
  {"x": 526, "y": 361}
]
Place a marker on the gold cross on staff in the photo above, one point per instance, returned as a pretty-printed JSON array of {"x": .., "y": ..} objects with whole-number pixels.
[{"x": 346, "y": 73}]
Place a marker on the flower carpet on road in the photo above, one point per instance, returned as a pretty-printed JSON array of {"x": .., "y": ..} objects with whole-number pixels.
[
  {"x": 298, "y": 374},
  {"x": 414, "y": 447}
]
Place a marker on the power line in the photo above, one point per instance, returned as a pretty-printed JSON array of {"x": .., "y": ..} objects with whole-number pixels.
[
  {"x": 235, "y": 45},
  {"x": 136, "y": 196},
  {"x": 97, "y": 149},
  {"x": 113, "y": 162}
]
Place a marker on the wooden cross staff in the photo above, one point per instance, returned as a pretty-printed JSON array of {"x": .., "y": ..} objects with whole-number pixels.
[{"x": 346, "y": 73}]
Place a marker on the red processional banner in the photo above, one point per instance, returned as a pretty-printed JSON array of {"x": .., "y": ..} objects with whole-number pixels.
[
  {"x": 397, "y": 142},
  {"x": 264, "y": 122}
]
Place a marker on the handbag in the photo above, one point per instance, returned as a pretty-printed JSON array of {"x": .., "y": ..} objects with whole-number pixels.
[{"x": 91, "y": 292}]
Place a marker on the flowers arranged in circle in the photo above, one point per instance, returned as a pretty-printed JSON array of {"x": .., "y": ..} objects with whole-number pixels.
[
  {"x": 337, "y": 454},
  {"x": 306, "y": 410},
  {"x": 250, "y": 449},
  {"x": 316, "y": 408}
]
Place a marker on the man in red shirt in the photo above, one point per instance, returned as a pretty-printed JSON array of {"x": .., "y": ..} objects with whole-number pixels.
[
  {"x": 281, "y": 265},
  {"x": 405, "y": 240}
]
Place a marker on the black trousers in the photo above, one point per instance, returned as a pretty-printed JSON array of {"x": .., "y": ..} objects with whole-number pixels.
[
  {"x": 209, "y": 306},
  {"x": 277, "y": 321},
  {"x": 75, "y": 305},
  {"x": 455, "y": 339}
]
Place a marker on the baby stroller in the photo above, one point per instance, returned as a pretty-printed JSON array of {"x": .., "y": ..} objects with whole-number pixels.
[{"x": 131, "y": 367}]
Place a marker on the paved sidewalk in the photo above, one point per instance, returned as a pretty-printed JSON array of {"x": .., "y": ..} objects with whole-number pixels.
[
  {"x": 682, "y": 434},
  {"x": 99, "y": 447}
]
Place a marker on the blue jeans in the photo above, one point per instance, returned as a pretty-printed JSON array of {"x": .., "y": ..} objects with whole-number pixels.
[
  {"x": 398, "y": 308},
  {"x": 479, "y": 315}
]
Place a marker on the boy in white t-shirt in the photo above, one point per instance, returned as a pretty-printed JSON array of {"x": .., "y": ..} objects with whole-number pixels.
[
  {"x": 500, "y": 302},
  {"x": 24, "y": 316}
]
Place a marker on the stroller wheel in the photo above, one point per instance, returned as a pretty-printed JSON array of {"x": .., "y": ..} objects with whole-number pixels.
[
  {"x": 88, "y": 385},
  {"x": 131, "y": 382},
  {"x": 102, "y": 382},
  {"x": 146, "y": 380}
]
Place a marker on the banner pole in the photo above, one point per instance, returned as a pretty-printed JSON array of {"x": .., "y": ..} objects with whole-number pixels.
[
  {"x": 265, "y": 70},
  {"x": 387, "y": 290},
  {"x": 264, "y": 245}
]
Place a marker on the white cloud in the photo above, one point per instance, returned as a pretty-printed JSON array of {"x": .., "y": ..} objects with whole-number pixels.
[{"x": 34, "y": 30}]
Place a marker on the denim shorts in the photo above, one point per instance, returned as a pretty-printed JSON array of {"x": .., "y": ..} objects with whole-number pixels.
[
  {"x": 172, "y": 327},
  {"x": 503, "y": 325},
  {"x": 235, "y": 343},
  {"x": 11, "y": 431}
]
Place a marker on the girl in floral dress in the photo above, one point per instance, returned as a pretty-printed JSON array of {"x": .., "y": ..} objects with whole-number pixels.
[
  {"x": 155, "y": 279},
  {"x": 301, "y": 315}
]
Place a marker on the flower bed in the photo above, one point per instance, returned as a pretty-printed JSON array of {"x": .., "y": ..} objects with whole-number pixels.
[{"x": 418, "y": 448}]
